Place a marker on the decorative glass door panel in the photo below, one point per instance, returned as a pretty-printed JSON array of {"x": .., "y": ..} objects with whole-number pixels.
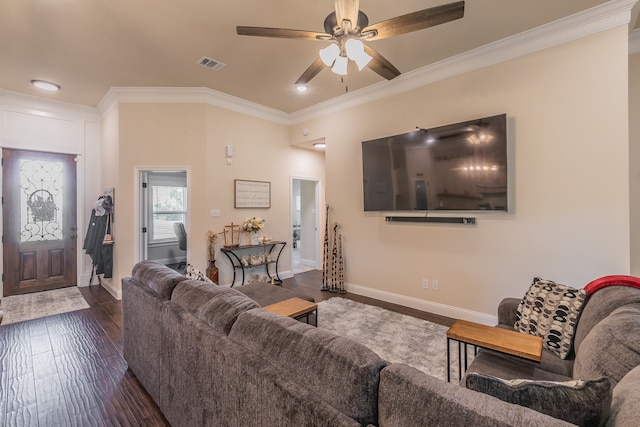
[{"x": 41, "y": 204}]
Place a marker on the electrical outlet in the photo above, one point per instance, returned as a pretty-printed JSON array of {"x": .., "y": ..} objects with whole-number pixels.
[
  {"x": 425, "y": 283},
  {"x": 435, "y": 285}
]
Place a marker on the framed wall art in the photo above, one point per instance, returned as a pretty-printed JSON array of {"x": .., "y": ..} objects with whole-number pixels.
[{"x": 251, "y": 194}]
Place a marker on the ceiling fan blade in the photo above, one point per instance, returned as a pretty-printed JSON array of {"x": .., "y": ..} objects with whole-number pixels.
[
  {"x": 381, "y": 65},
  {"x": 347, "y": 10},
  {"x": 415, "y": 21},
  {"x": 311, "y": 72},
  {"x": 281, "y": 33}
]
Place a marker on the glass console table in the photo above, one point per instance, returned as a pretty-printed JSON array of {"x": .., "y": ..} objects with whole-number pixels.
[{"x": 255, "y": 256}]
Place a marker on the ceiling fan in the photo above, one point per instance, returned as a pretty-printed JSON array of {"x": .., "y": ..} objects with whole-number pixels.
[{"x": 348, "y": 27}]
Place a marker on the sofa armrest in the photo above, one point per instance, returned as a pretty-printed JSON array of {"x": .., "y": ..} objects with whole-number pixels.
[
  {"x": 507, "y": 311},
  {"x": 408, "y": 397}
]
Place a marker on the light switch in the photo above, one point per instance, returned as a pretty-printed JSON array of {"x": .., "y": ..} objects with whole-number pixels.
[{"x": 215, "y": 212}]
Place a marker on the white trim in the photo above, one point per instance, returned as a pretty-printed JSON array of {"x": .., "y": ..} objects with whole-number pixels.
[
  {"x": 423, "y": 305},
  {"x": 137, "y": 214},
  {"x": 179, "y": 95},
  {"x": 318, "y": 220},
  {"x": 46, "y": 107},
  {"x": 107, "y": 284},
  {"x": 634, "y": 42},
  {"x": 600, "y": 18}
]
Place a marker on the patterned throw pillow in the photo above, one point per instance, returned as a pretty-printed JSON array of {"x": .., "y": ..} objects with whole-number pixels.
[
  {"x": 194, "y": 274},
  {"x": 580, "y": 402},
  {"x": 551, "y": 310}
]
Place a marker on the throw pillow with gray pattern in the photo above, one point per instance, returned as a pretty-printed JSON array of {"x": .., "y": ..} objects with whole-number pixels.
[
  {"x": 551, "y": 311},
  {"x": 194, "y": 274}
]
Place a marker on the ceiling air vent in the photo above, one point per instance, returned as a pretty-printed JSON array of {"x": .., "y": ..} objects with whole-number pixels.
[{"x": 211, "y": 63}]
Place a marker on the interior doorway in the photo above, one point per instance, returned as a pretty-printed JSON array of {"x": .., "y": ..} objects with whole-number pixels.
[
  {"x": 305, "y": 223},
  {"x": 164, "y": 217},
  {"x": 39, "y": 221}
]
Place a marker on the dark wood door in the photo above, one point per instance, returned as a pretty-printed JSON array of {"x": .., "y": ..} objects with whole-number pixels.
[{"x": 39, "y": 219}]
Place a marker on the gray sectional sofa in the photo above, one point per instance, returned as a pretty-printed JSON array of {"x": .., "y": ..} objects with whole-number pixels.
[{"x": 211, "y": 356}]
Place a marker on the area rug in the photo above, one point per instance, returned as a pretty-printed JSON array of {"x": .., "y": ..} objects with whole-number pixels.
[
  {"x": 395, "y": 337},
  {"x": 19, "y": 308}
]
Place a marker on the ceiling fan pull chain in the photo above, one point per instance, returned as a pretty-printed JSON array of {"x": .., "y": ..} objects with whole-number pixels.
[{"x": 346, "y": 85}]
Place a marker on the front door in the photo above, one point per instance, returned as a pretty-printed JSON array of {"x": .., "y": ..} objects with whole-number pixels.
[{"x": 39, "y": 220}]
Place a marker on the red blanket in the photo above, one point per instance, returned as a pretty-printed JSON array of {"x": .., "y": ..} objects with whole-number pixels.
[{"x": 616, "y": 280}]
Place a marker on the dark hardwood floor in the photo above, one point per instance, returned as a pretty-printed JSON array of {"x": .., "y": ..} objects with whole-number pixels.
[{"x": 68, "y": 369}]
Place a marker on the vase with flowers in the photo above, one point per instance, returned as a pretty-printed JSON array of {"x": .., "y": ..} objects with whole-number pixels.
[
  {"x": 212, "y": 270},
  {"x": 253, "y": 226}
]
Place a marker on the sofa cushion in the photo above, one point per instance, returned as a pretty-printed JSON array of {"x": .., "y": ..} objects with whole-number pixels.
[
  {"x": 157, "y": 276},
  {"x": 625, "y": 410},
  {"x": 612, "y": 348},
  {"x": 551, "y": 311},
  {"x": 600, "y": 305},
  {"x": 580, "y": 402},
  {"x": 509, "y": 367},
  {"x": 218, "y": 306},
  {"x": 409, "y": 397},
  {"x": 341, "y": 372}
]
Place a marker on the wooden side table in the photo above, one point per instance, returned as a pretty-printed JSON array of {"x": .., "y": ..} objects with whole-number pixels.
[
  {"x": 296, "y": 308},
  {"x": 498, "y": 339}
]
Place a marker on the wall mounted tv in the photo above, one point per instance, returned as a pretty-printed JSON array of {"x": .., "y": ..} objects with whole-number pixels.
[{"x": 458, "y": 167}]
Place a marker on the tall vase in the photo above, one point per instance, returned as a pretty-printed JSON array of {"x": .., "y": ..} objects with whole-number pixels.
[
  {"x": 255, "y": 238},
  {"x": 212, "y": 271}
]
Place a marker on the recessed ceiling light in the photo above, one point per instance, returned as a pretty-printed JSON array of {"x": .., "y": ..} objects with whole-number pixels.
[
  {"x": 302, "y": 88},
  {"x": 45, "y": 85},
  {"x": 320, "y": 145}
]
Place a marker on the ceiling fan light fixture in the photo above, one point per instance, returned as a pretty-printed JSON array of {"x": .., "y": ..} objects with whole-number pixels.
[
  {"x": 362, "y": 60},
  {"x": 329, "y": 54},
  {"x": 355, "y": 51},
  {"x": 340, "y": 66},
  {"x": 353, "y": 47}
]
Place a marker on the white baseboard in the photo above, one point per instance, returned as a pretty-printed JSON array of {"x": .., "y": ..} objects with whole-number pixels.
[
  {"x": 423, "y": 305},
  {"x": 83, "y": 280},
  {"x": 108, "y": 285},
  {"x": 308, "y": 263},
  {"x": 416, "y": 303}
]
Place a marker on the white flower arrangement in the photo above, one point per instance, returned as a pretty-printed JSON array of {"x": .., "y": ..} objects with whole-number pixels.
[{"x": 254, "y": 224}]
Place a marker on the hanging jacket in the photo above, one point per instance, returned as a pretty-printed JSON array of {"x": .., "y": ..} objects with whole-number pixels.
[{"x": 101, "y": 255}]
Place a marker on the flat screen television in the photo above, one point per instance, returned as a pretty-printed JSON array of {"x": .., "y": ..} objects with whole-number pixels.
[{"x": 457, "y": 167}]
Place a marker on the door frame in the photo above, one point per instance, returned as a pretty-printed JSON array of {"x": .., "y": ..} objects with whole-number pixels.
[
  {"x": 82, "y": 274},
  {"x": 139, "y": 211},
  {"x": 318, "y": 220}
]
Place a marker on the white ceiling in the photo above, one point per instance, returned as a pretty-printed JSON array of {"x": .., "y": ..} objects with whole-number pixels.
[{"x": 89, "y": 46}]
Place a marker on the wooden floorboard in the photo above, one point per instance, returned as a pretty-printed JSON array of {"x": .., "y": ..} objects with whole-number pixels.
[{"x": 68, "y": 369}]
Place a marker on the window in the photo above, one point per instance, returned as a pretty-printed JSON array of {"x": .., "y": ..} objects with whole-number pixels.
[{"x": 168, "y": 206}]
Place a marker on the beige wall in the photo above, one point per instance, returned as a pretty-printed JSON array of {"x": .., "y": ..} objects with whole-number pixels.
[
  {"x": 634, "y": 160},
  {"x": 569, "y": 220},
  {"x": 109, "y": 178},
  {"x": 192, "y": 137}
]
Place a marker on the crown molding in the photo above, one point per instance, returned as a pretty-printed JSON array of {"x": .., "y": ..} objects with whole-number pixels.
[
  {"x": 47, "y": 107},
  {"x": 605, "y": 16},
  {"x": 591, "y": 21},
  {"x": 181, "y": 95}
]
